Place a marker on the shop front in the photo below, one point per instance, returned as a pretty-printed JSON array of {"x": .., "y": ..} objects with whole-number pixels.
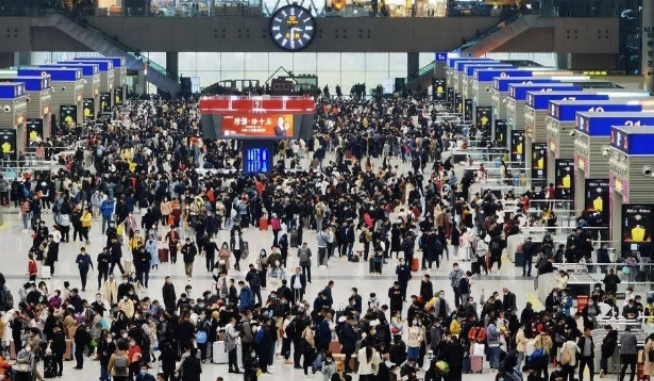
[
  {"x": 560, "y": 120},
  {"x": 67, "y": 95},
  {"x": 13, "y": 117},
  {"x": 631, "y": 167},
  {"x": 592, "y": 137}
]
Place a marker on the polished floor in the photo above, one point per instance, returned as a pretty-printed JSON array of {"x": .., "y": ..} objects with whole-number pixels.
[{"x": 15, "y": 244}]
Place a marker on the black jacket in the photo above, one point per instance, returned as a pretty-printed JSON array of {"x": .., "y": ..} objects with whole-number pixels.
[
  {"x": 609, "y": 343},
  {"x": 426, "y": 291},
  {"x": 582, "y": 342},
  {"x": 169, "y": 295}
]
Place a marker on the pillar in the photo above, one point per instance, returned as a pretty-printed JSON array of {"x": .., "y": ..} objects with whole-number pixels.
[
  {"x": 6, "y": 59},
  {"x": 413, "y": 65},
  {"x": 172, "y": 63},
  {"x": 647, "y": 47},
  {"x": 24, "y": 59}
]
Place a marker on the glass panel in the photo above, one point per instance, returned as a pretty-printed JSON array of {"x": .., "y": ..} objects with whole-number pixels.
[
  {"x": 232, "y": 61},
  {"x": 304, "y": 63},
  {"x": 187, "y": 62},
  {"x": 353, "y": 61},
  {"x": 208, "y": 61},
  {"x": 208, "y": 77},
  {"x": 328, "y": 61},
  {"x": 397, "y": 61},
  {"x": 277, "y": 60},
  {"x": 256, "y": 61},
  {"x": 377, "y": 61}
]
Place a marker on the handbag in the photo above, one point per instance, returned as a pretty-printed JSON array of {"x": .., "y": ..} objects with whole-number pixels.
[{"x": 21, "y": 367}]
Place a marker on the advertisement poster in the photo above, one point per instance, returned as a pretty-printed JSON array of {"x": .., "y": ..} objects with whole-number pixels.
[
  {"x": 636, "y": 226},
  {"x": 500, "y": 132},
  {"x": 467, "y": 109},
  {"x": 89, "y": 108},
  {"x": 539, "y": 163},
  {"x": 596, "y": 199},
  {"x": 118, "y": 96},
  {"x": 439, "y": 89},
  {"x": 34, "y": 130},
  {"x": 257, "y": 160},
  {"x": 68, "y": 115},
  {"x": 450, "y": 94},
  {"x": 8, "y": 143},
  {"x": 564, "y": 179},
  {"x": 105, "y": 102},
  {"x": 458, "y": 104},
  {"x": 518, "y": 146},
  {"x": 483, "y": 117},
  {"x": 277, "y": 126}
]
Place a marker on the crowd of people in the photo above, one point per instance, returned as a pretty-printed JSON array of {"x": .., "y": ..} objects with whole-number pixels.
[{"x": 375, "y": 183}]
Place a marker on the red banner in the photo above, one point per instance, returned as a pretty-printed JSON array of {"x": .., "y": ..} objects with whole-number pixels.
[
  {"x": 264, "y": 125},
  {"x": 256, "y": 105}
]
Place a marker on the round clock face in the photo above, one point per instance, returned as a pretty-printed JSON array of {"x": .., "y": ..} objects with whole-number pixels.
[{"x": 292, "y": 27}]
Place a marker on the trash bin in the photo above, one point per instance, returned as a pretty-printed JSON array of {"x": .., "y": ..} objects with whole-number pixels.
[{"x": 582, "y": 301}]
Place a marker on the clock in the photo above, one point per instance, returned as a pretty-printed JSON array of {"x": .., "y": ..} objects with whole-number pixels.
[{"x": 292, "y": 27}]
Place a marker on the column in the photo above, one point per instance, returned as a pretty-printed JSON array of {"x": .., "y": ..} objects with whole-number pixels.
[
  {"x": 413, "y": 65},
  {"x": 172, "y": 63},
  {"x": 647, "y": 41},
  {"x": 7, "y": 59},
  {"x": 24, "y": 58}
]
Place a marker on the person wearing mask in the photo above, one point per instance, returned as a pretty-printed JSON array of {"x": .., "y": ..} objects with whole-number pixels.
[
  {"x": 189, "y": 251},
  {"x": 493, "y": 341},
  {"x": 172, "y": 237},
  {"x": 135, "y": 357},
  {"x": 116, "y": 256},
  {"x": 628, "y": 353},
  {"x": 416, "y": 338},
  {"x": 169, "y": 295},
  {"x": 586, "y": 349},
  {"x": 106, "y": 349},
  {"x": 143, "y": 374},
  {"x": 369, "y": 360},
  {"x": 455, "y": 277},
  {"x": 236, "y": 245},
  {"x": 84, "y": 262},
  {"x": 210, "y": 249},
  {"x": 426, "y": 289},
  {"x": 611, "y": 282},
  {"x": 304, "y": 255},
  {"x": 403, "y": 272},
  {"x": 231, "y": 338},
  {"x": 529, "y": 249},
  {"x": 82, "y": 337},
  {"x": 254, "y": 280},
  {"x": 104, "y": 258},
  {"x": 298, "y": 285},
  {"x": 245, "y": 297},
  {"x": 24, "y": 363}
]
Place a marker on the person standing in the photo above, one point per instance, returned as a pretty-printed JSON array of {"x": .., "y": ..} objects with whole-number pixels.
[
  {"x": 298, "y": 285},
  {"x": 323, "y": 240},
  {"x": 84, "y": 262},
  {"x": 172, "y": 237},
  {"x": 82, "y": 337},
  {"x": 529, "y": 249},
  {"x": 116, "y": 256},
  {"x": 104, "y": 258},
  {"x": 237, "y": 246},
  {"x": 107, "y": 211},
  {"x": 52, "y": 254},
  {"x": 587, "y": 358},
  {"x": 455, "y": 277},
  {"x": 628, "y": 353},
  {"x": 86, "y": 220},
  {"x": 231, "y": 337},
  {"x": 119, "y": 363},
  {"x": 210, "y": 249},
  {"x": 169, "y": 295},
  {"x": 189, "y": 251},
  {"x": 609, "y": 343},
  {"x": 32, "y": 268},
  {"x": 304, "y": 255},
  {"x": 403, "y": 272}
]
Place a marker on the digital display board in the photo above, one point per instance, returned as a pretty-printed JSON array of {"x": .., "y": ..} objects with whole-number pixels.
[
  {"x": 88, "y": 105},
  {"x": 596, "y": 198},
  {"x": 539, "y": 163},
  {"x": 67, "y": 114},
  {"x": 500, "y": 132},
  {"x": 440, "y": 87},
  {"x": 105, "y": 102},
  {"x": 278, "y": 126},
  {"x": 34, "y": 130},
  {"x": 8, "y": 143},
  {"x": 257, "y": 160},
  {"x": 564, "y": 179},
  {"x": 518, "y": 146},
  {"x": 483, "y": 116},
  {"x": 636, "y": 226},
  {"x": 566, "y": 112}
]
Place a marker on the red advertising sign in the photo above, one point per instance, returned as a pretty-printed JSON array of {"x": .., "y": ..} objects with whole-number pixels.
[
  {"x": 262, "y": 125},
  {"x": 256, "y": 105}
]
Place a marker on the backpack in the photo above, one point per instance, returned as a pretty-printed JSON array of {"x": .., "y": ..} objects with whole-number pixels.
[
  {"x": 120, "y": 364},
  {"x": 538, "y": 353},
  {"x": 566, "y": 357},
  {"x": 258, "y": 338},
  {"x": 201, "y": 337},
  {"x": 495, "y": 247},
  {"x": 255, "y": 281}
]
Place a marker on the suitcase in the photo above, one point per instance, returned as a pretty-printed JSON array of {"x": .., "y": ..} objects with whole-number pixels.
[
  {"x": 263, "y": 224},
  {"x": 335, "y": 346},
  {"x": 45, "y": 272},
  {"x": 415, "y": 264},
  {"x": 519, "y": 259},
  {"x": 219, "y": 356},
  {"x": 163, "y": 255},
  {"x": 476, "y": 364},
  {"x": 49, "y": 367},
  {"x": 475, "y": 268},
  {"x": 68, "y": 355},
  {"x": 295, "y": 239},
  {"x": 127, "y": 266}
]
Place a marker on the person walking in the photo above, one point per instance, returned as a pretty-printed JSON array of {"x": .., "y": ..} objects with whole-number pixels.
[
  {"x": 103, "y": 260},
  {"x": 119, "y": 363},
  {"x": 189, "y": 251},
  {"x": 628, "y": 353},
  {"x": 86, "y": 220},
  {"x": 84, "y": 262},
  {"x": 586, "y": 347},
  {"x": 172, "y": 237},
  {"x": 609, "y": 343},
  {"x": 323, "y": 240},
  {"x": 304, "y": 255}
]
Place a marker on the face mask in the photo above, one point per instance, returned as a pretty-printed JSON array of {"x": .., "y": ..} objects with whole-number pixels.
[
  {"x": 143, "y": 372},
  {"x": 124, "y": 335},
  {"x": 415, "y": 322},
  {"x": 253, "y": 355},
  {"x": 109, "y": 340},
  {"x": 200, "y": 305},
  {"x": 131, "y": 344},
  {"x": 28, "y": 349},
  {"x": 137, "y": 316},
  {"x": 99, "y": 299}
]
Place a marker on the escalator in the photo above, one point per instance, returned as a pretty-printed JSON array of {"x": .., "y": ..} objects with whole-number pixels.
[
  {"x": 421, "y": 78},
  {"x": 108, "y": 46},
  {"x": 502, "y": 33}
]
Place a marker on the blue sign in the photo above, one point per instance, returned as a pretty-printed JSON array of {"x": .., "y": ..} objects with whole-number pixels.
[
  {"x": 116, "y": 61},
  {"x": 441, "y": 57},
  {"x": 12, "y": 90},
  {"x": 596, "y": 124},
  {"x": 56, "y": 74},
  {"x": 469, "y": 70},
  {"x": 461, "y": 64},
  {"x": 88, "y": 70},
  {"x": 257, "y": 160},
  {"x": 105, "y": 64},
  {"x": 633, "y": 140},
  {"x": 540, "y": 101},
  {"x": 489, "y": 74},
  {"x": 31, "y": 83},
  {"x": 519, "y": 91},
  {"x": 451, "y": 62},
  {"x": 502, "y": 84},
  {"x": 565, "y": 112}
]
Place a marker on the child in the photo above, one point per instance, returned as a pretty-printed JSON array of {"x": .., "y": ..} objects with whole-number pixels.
[{"x": 328, "y": 366}]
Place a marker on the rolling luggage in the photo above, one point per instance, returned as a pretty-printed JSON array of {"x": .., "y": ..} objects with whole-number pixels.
[
  {"x": 219, "y": 356},
  {"x": 49, "y": 367},
  {"x": 415, "y": 264},
  {"x": 45, "y": 272},
  {"x": 263, "y": 223},
  {"x": 476, "y": 364},
  {"x": 295, "y": 239},
  {"x": 475, "y": 268},
  {"x": 163, "y": 255},
  {"x": 519, "y": 259}
]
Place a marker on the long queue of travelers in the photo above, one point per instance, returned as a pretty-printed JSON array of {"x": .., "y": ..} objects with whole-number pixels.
[{"x": 161, "y": 193}]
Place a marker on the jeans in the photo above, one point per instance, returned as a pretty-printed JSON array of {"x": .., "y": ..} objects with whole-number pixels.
[
  {"x": 188, "y": 269},
  {"x": 233, "y": 364},
  {"x": 306, "y": 271},
  {"x": 322, "y": 254},
  {"x": 512, "y": 375},
  {"x": 104, "y": 373},
  {"x": 26, "y": 220},
  {"x": 586, "y": 362},
  {"x": 604, "y": 363},
  {"x": 494, "y": 357},
  {"x": 105, "y": 223},
  {"x": 413, "y": 352},
  {"x": 527, "y": 265},
  {"x": 521, "y": 358}
]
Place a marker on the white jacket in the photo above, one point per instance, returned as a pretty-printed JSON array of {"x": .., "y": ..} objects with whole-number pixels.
[{"x": 368, "y": 368}]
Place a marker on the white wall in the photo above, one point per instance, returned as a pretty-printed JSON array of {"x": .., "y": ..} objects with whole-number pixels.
[{"x": 545, "y": 59}]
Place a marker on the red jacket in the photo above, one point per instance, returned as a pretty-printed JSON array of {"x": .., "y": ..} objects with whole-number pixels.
[{"x": 31, "y": 267}]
